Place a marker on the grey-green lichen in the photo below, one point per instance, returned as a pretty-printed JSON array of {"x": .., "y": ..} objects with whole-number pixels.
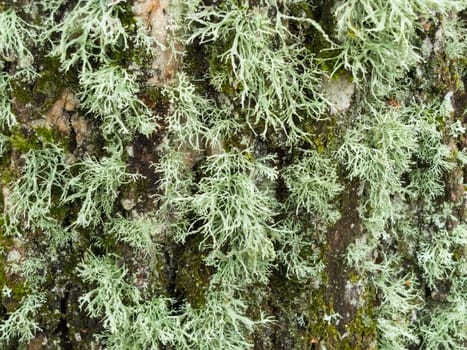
[{"x": 225, "y": 205}]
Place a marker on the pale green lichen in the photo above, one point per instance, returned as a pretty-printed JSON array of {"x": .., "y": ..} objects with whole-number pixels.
[
  {"x": 7, "y": 118},
  {"x": 138, "y": 232},
  {"x": 16, "y": 38},
  {"x": 301, "y": 258},
  {"x": 378, "y": 39},
  {"x": 221, "y": 324},
  {"x": 188, "y": 114},
  {"x": 277, "y": 84},
  {"x": 32, "y": 196},
  {"x": 446, "y": 326},
  {"x": 87, "y": 33},
  {"x": 21, "y": 323},
  {"x": 112, "y": 297},
  {"x": 233, "y": 200},
  {"x": 313, "y": 185},
  {"x": 96, "y": 186},
  {"x": 110, "y": 93},
  {"x": 235, "y": 215},
  {"x": 378, "y": 152}
]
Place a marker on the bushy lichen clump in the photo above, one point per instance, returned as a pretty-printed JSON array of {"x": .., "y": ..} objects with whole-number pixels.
[
  {"x": 111, "y": 94},
  {"x": 378, "y": 38},
  {"x": 249, "y": 169},
  {"x": 88, "y": 33},
  {"x": 16, "y": 38},
  {"x": 275, "y": 80}
]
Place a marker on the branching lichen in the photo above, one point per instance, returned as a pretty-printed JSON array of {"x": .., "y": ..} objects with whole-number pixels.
[
  {"x": 137, "y": 233},
  {"x": 16, "y": 38},
  {"x": 96, "y": 187},
  {"x": 87, "y": 33},
  {"x": 35, "y": 193},
  {"x": 378, "y": 39},
  {"x": 21, "y": 323},
  {"x": 221, "y": 324},
  {"x": 313, "y": 185},
  {"x": 277, "y": 84},
  {"x": 7, "y": 118},
  {"x": 110, "y": 93},
  {"x": 235, "y": 217}
]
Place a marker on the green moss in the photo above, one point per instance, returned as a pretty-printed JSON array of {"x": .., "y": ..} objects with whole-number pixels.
[
  {"x": 7, "y": 175},
  {"x": 47, "y": 88},
  {"x": 20, "y": 93},
  {"x": 362, "y": 329},
  {"x": 3, "y": 278},
  {"x": 318, "y": 329},
  {"x": 48, "y": 135},
  {"x": 314, "y": 41},
  {"x": 24, "y": 140},
  {"x": 19, "y": 288},
  {"x": 51, "y": 81},
  {"x": 23, "y": 143},
  {"x": 322, "y": 134},
  {"x": 193, "y": 282},
  {"x": 218, "y": 66},
  {"x": 132, "y": 55}
]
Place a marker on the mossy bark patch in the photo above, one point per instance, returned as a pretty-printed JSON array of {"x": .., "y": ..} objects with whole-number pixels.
[{"x": 340, "y": 290}]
